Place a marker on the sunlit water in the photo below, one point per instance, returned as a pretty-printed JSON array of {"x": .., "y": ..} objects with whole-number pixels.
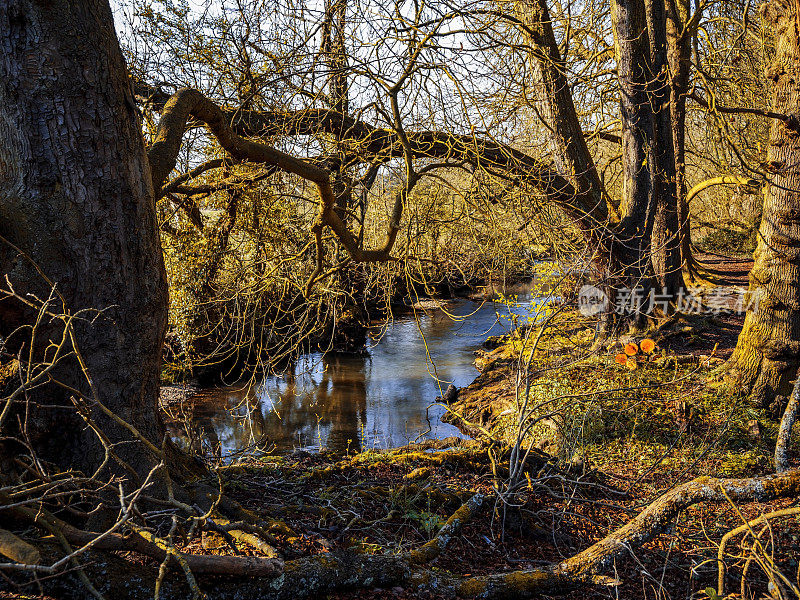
[{"x": 346, "y": 402}]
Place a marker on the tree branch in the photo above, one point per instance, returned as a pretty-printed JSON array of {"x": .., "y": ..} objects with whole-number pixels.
[
  {"x": 372, "y": 141},
  {"x": 163, "y": 154},
  {"x": 714, "y": 107}
]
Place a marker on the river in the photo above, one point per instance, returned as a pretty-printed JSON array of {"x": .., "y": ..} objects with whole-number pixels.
[{"x": 343, "y": 402}]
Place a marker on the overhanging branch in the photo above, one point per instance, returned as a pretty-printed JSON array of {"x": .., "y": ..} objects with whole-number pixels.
[{"x": 369, "y": 141}]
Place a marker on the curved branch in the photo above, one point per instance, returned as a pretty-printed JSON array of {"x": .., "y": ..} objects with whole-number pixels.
[
  {"x": 163, "y": 154},
  {"x": 587, "y": 566},
  {"x": 791, "y": 121},
  {"x": 372, "y": 141},
  {"x": 722, "y": 180},
  {"x": 176, "y": 183},
  {"x": 746, "y": 527}
]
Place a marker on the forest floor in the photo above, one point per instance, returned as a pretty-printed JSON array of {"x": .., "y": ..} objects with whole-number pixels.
[
  {"x": 394, "y": 502},
  {"x": 623, "y": 437},
  {"x": 618, "y": 439}
]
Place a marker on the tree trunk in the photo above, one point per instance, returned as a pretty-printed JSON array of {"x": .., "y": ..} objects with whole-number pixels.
[
  {"x": 665, "y": 239},
  {"x": 76, "y": 199},
  {"x": 631, "y": 261},
  {"x": 556, "y": 107},
  {"x": 679, "y": 38},
  {"x": 767, "y": 354},
  {"x": 641, "y": 250},
  {"x": 334, "y": 51}
]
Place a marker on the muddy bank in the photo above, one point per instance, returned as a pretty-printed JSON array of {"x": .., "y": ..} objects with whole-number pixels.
[{"x": 480, "y": 407}]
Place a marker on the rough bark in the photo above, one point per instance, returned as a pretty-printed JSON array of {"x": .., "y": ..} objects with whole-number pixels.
[
  {"x": 680, "y": 30},
  {"x": 630, "y": 267},
  {"x": 767, "y": 354},
  {"x": 76, "y": 199},
  {"x": 665, "y": 240},
  {"x": 334, "y": 51},
  {"x": 556, "y": 107},
  {"x": 633, "y": 49},
  {"x": 621, "y": 242},
  {"x": 782, "y": 444},
  {"x": 648, "y": 228}
]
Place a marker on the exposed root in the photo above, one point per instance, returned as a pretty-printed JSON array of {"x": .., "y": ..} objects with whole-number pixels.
[
  {"x": 310, "y": 577},
  {"x": 785, "y": 431},
  {"x": 148, "y": 545}
]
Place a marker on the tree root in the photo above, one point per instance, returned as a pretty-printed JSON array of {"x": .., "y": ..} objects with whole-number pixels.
[
  {"x": 270, "y": 579},
  {"x": 247, "y": 534},
  {"x": 785, "y": 430}
]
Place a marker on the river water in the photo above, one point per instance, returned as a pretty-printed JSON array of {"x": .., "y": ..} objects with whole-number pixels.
[{"x": 382, "y": 399}]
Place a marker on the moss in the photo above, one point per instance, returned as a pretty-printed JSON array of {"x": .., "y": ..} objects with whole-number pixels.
[
  {"x": 742, "y": 463},
  {"x": 471, "y": 588}
]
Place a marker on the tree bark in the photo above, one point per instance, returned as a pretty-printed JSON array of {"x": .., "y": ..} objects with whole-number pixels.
[
  {"x": 681, "y": 27},
  {"x": 556, "y": 107},
  {"x": 639, "y": 248},
  {"x": 649, "y": 213},
  {"x": 665, "y": 239},
  {"x": 334, "y": 51},
  {"x": 783, "y": 442},
  {"x": 767, "y": 354},
  {"x": 76, "y": 199}
]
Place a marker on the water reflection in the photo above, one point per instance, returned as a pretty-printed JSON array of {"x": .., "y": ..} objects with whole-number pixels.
[{"x": 342, "y": 401}]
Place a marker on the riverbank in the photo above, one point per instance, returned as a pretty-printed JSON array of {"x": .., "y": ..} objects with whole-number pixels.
[
  {"x": 568, "y": 372},
  {"x": 384, "y": 506},
  {"x": 642, "y": 432},
  {"x": 609, "y": 440}
]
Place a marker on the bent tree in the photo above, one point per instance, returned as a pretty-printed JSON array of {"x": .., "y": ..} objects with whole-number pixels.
[
  {"x": 767, "y": 355},
  {"x": 635, "y": 240}
]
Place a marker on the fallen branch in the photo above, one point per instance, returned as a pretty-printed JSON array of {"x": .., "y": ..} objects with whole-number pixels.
[
  {"x": 270, "y": 579},
  {"x": 588, "y": 566},
  {"x": 237, "y": 566},
  {"x": 746, "y": 527},
  {"x": 452, "y": 527}
]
